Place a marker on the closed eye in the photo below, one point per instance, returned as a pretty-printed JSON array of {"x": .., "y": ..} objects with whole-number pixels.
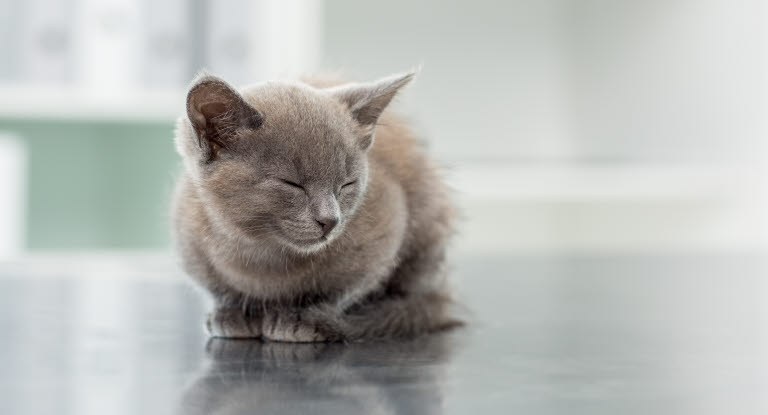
[
  {"x": 292, "y": 184},
  {"x": 349, "y": 184}
]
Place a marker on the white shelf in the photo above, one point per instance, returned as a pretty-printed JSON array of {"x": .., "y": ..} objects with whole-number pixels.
[
  {"x": 602, "y": 182},
  {"x": 611, "y": 208},
  {"x": 77, "y": 103}
]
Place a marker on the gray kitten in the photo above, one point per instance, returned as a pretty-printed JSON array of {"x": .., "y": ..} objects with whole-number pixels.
[{"x": 300, "y": 224}]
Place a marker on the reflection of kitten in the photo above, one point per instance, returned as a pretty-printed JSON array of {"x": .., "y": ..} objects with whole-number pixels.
[
  {"x": 243, "y": 377},
  {"x": 301, "y": 225}
]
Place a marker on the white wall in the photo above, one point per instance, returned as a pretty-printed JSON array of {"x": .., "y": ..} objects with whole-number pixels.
[
  {"x": 582, "y": 125},
  {"x": 678, "y": 80}
]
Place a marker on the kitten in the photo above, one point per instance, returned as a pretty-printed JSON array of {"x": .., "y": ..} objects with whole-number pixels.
[{"x": 309, "y": 213}]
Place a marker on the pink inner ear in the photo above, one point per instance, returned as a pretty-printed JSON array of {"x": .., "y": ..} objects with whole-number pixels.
[{"x": 212, "y": 109}]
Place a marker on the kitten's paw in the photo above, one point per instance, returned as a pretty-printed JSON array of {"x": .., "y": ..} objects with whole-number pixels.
[
  {"x": 231, "y": 323},
  {"x": 298, "y": 328}
]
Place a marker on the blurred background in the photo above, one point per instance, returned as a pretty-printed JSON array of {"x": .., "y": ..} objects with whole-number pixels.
[
  {"x": 566, "y": 126},
  {"x": 609, "y": 158}
]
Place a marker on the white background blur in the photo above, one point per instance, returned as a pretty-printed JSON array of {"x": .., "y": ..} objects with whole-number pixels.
[{"x": 567, "y": 126}]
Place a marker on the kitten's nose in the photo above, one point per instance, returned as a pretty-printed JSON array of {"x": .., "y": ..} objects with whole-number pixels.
[{"x": 327, "y": 223}]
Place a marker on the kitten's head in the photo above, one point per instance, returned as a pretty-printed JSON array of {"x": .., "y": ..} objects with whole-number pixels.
[{"x": 284, "y": 162}]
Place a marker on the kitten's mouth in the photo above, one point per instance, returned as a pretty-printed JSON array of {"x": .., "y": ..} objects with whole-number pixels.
[
  {"x": 303, "y": 242},
  {"x": 312, "y": 241},
  {"x": 308, "y": 245}
]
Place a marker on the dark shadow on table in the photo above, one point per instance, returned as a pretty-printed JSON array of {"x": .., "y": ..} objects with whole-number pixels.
[{"x": 250, "y": 376}]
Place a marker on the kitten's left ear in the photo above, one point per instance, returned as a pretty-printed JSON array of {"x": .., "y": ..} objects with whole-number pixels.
[{"x": 368, "y": 100}]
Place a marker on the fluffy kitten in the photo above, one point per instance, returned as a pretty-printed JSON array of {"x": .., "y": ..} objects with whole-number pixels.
[{"x": 301, "y": 225}]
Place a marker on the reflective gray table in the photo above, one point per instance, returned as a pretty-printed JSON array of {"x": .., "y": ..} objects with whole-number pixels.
[{"x": 645, "y": 335}]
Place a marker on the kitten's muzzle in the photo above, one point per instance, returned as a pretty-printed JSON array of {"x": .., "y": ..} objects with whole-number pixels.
[
  {"x": 327, "y": 224},
  {"x": 326, "y": 212}
]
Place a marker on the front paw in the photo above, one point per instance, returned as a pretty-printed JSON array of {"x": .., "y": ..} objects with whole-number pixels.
[
  {"x": 232, "y": 323},
  {"x": 298, "y": 327}
]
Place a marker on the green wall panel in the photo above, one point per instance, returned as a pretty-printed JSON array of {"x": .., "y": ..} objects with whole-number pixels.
[{"x": 97, "y": 185}]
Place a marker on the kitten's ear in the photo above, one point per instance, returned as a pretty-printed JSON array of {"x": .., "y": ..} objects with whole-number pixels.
[
  {"x": 368, "y": 100},
  {"x": 217, "y": 112}
]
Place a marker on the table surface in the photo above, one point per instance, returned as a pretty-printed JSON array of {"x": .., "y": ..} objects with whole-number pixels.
[{"x": 547, "y": 335}]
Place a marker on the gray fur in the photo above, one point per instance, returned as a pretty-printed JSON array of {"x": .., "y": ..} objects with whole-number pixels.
[{"x": 301, "y": 225}]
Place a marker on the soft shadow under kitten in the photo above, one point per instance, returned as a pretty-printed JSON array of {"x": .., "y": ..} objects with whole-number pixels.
[{"x": 309, "y": 213}]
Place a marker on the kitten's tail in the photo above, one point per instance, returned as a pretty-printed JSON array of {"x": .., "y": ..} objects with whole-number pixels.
[{"x": 401, "y": 317}]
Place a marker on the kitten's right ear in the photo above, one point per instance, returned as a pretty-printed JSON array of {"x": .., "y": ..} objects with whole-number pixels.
[
  {"x": 217, "y": 113},
  {"x": 366, "y": 101}
]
